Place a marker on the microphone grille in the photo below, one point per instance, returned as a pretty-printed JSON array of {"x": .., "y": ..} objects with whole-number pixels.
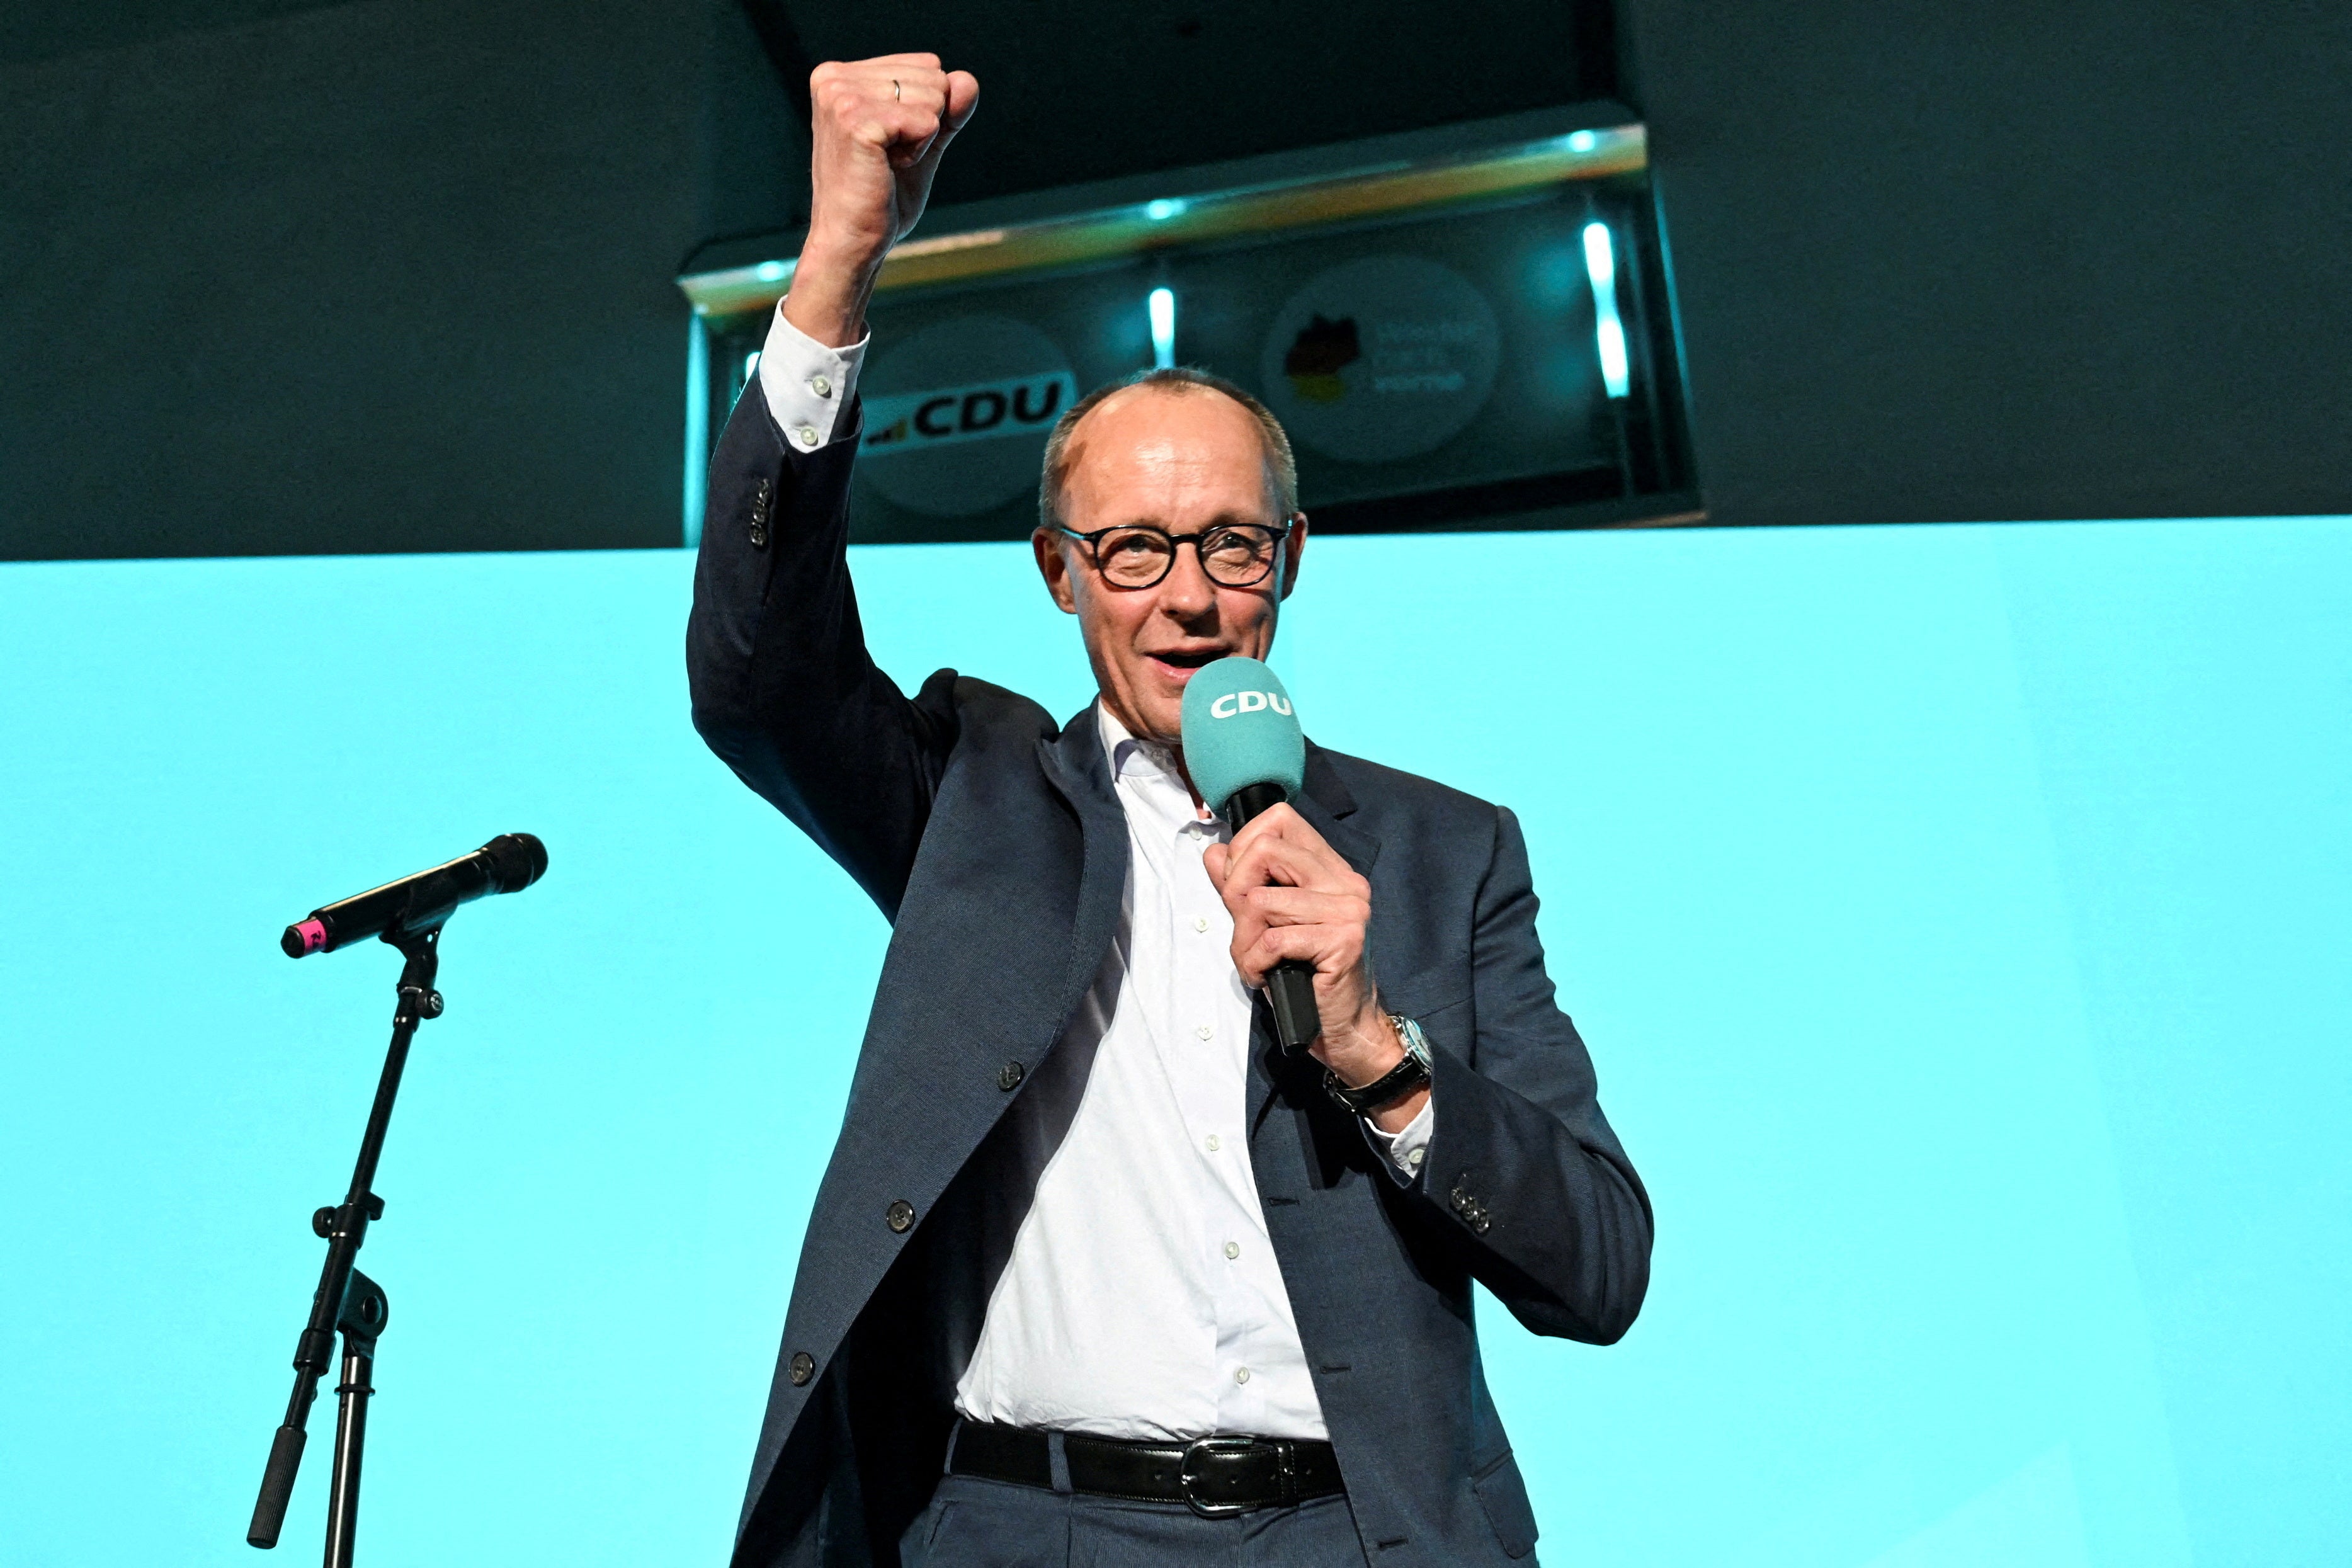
[
  {"x": 516, "y": 860},
  {"x": 1240, "y": 729}
]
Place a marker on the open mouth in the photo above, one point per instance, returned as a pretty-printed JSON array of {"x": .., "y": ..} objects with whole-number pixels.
[{"x": 1174, "y": 659}]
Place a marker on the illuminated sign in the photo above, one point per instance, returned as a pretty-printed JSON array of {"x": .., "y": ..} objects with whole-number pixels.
[
  {"x": 915, "y": 421},
  {"x": 957, "y": 413}
]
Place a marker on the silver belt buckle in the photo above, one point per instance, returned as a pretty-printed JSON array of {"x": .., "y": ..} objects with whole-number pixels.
[{"x": 1189, "y": 1478}]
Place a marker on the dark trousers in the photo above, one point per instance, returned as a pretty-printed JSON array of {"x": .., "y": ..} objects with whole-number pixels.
[{"x": 974, "y": 1523}]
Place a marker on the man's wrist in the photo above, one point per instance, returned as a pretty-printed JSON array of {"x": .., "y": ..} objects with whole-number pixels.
[
  {"x": 832, "y": 283},
  {"x": 1394, "y": 1118},
  {"x": 1392, "y": 1098},
  {"x": 1373, "y": 1051}
]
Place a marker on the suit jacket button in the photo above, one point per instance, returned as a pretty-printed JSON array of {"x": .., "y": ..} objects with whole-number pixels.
[
  {"x": 802, "y": 1368},
  {"x": 763, "y": 495},
  {"x": 900, "y": 1216},
  {"x": 1008, "y": 1077}
]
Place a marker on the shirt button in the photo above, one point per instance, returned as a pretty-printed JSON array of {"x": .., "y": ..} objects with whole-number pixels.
[
  {"x": 805, "y": 434},
  {"x": 1204, "y": 1031},
  {"x": 1200, "y": 922},
  {"x": 821, "y": 386},
  {"x": 1233, "y": 1249},
  {"x": 1213, "y": 1144},
  {"x": 1241, "y": 1374},
  {"x": 1414, "y": 1159}
]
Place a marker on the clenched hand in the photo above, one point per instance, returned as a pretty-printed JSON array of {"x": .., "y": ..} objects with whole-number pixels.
[{"x": 878, "y": 128}]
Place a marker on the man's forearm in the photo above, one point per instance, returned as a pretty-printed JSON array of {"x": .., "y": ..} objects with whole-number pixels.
[
  {"x": 1549, "y": 1200},
  {"x": 1522, "y": 1164},
  {"x": 784, "y": 688}
]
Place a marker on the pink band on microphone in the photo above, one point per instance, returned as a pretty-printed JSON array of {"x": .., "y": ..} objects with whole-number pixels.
[{"x": 313, "y": 934}]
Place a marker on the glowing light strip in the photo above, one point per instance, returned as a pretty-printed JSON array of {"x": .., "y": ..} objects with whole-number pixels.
[
  {"x": 1163, "y": 328},
  {"x": 697, "y": 426},
  {"x": 1210, "y": 215},
  {"x": 1601, "y": 265}
]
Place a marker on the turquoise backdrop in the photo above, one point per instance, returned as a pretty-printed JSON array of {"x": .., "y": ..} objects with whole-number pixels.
[{"x": 1959, "y": 917}]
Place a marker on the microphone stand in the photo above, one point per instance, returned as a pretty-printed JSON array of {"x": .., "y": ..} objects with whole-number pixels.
[{"x": 348, "y": 1299}]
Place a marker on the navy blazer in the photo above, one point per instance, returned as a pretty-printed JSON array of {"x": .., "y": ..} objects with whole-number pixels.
[{"x": 992, "y": 838}]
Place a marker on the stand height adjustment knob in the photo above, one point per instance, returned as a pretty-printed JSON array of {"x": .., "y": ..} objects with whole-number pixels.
[{"x": 322, "y": 1219}]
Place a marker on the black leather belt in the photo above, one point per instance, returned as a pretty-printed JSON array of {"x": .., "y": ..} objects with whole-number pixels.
[{"x": 1218, "y": 1477}]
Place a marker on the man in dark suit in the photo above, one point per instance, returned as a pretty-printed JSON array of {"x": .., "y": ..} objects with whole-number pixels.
[{"x": 1096, "y": 1274}]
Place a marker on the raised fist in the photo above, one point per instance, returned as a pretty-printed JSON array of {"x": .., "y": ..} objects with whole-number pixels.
[{"x": 876, "y": 131}]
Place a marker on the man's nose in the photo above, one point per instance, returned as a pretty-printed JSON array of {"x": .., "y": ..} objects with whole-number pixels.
[{"x": 1186, "y": 590}]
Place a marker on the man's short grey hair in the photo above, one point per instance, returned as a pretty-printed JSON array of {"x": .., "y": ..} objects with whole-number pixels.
[{"x": 1281, "y": 467}]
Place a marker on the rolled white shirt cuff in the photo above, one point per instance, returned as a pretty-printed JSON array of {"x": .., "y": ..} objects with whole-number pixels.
[
  {"x": 1409, "y": 1147},
  {"x": 808, "y": 385}
]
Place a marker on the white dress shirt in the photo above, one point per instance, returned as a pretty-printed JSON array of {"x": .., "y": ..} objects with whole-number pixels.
[{"x": 1141, "y": 1298}]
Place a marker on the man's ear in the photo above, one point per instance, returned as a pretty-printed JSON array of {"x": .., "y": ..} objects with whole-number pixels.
[
  {"x": 1054, "y": 566},
  {"x": 1293, "y": 548}
]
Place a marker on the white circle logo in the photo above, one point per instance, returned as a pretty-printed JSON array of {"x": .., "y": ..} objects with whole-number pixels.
[{"x": 1380, "y": 359}]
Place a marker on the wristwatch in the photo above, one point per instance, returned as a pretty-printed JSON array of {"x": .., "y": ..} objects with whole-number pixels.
[{"x": 1394, "y": 1085}]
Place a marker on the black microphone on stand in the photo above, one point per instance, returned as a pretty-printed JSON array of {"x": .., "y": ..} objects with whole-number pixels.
[
  {"x": 507, "y": 864},
  {"x": 408, "y": 914}
]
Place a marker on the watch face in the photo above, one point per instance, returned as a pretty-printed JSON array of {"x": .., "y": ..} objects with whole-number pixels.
[{"x": 1416, "y": 1043}]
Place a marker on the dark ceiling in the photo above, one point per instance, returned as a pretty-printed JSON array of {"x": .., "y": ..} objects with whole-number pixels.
[
  {"x": 1079, "y": 90},
  {"x": 287, "y": 277},
  {"x": 30, "y": 32}
]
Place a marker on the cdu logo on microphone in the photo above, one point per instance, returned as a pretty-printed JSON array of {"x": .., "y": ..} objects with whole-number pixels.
[{"x": 1234, "y": 703}]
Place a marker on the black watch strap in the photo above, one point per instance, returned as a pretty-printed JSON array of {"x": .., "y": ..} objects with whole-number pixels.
[{"x": 1392, "y": 1085}]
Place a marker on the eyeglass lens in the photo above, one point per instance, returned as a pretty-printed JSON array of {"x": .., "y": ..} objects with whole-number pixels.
[{"x": 1235, "y": 557}]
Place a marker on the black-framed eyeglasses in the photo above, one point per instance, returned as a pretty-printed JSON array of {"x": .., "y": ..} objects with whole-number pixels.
[{"x": 1138, "y": 556}]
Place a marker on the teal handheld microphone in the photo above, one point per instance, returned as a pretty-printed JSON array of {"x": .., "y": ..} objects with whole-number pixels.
[{"x": 1245, "y": 753}]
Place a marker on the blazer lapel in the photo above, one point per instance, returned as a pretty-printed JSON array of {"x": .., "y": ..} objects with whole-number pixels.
[
  {"x": 1327, "y": 804},
  {"x": 1076, "y": 766}
]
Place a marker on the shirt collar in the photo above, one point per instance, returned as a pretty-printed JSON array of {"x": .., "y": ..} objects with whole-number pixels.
[
  {"x": 1152, "y": 768},
  {"x": 1130, "y": 756}
]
